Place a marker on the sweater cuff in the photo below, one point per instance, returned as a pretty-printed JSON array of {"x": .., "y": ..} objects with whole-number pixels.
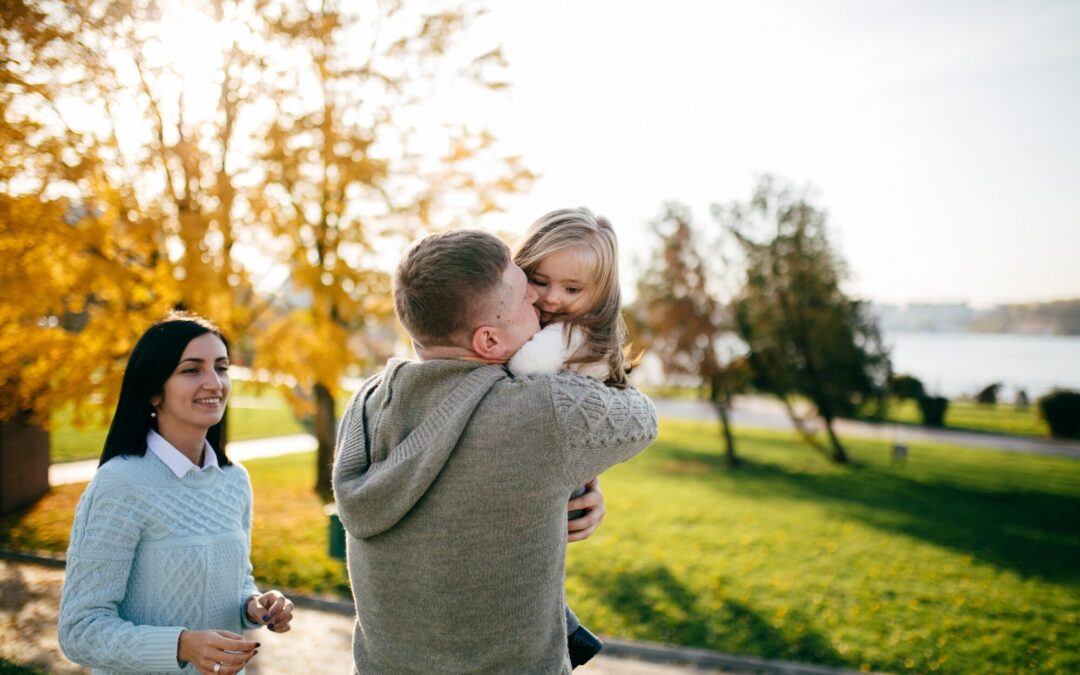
[
  {"x": 160, "y": 645},
  {"x": 244, "y": 620}
]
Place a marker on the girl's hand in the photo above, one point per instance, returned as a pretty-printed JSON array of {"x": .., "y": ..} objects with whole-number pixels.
[
  {"x": 271, "y": 609},
  {"x": 207, "y": 649},
  {"x": 593, "y": 502}
]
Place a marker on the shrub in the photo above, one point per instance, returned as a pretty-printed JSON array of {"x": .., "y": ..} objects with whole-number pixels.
[
  {"x": 1061, "y": 410},
  {"x": 906, "y": 387},
  {"x": 989, "y": 395},
  {"x": 10, "y": 668},
  {"x": 933, "y": 410},
  {"x": 1021, "y": 402}
]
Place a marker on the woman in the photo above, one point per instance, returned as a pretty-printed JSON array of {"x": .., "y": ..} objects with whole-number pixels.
[{"x": 159, "y": 571}]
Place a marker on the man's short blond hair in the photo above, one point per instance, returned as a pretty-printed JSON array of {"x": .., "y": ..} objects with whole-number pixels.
[{"x": 443, "y": 282}]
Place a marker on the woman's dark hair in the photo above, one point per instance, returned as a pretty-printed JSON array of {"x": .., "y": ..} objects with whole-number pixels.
[{"x": 153, "y": 360}]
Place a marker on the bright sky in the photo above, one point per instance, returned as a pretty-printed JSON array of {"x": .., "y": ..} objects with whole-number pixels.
[{"x": 942, "y": 138}]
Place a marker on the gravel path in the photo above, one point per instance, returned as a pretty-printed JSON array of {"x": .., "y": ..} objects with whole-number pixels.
[{"x": 29, "y": 597}]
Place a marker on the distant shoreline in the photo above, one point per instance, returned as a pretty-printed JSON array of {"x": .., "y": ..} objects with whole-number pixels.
[
  {"x": 1059, "y": 317},
  {"x": 960, "y": 363}
]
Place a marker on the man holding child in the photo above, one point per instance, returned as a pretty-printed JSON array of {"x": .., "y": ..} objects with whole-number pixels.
[{"x": 452, "y": 475}]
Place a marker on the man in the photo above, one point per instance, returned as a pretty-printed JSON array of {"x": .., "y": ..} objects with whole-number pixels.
[{"x": 452, "y": 476}]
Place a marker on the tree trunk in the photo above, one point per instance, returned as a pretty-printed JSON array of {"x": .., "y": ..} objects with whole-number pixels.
[
  {"x": 839, "y": 455},
  {"x": 24, "y": 462},
  {"x": 800, "y": 427},
  {"x": 325, "y": 434},
  {"x": 729, "y": 440}
]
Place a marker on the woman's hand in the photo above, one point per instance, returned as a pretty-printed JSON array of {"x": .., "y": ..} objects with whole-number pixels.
[
  {"x": 207, "y": 649},
  {"x": 271, "y": 609},
  {"x": 593, "y": 503}
]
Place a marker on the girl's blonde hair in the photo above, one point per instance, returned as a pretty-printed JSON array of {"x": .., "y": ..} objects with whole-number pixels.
[{"x": 602, "y": 322}]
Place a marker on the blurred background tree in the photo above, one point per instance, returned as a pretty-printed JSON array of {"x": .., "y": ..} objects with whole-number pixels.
[
  {"x": 678, "y": 317},
  {"x": 806, "y": 337},
  {"x": 905, "y": 387},
  {"x": 82, "y": 273},
  {"x": 197, "y": 141},
  {"x": 1061, "y": 410}
]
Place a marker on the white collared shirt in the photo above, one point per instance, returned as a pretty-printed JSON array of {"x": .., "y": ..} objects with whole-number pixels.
[{"x": 177, "y": 462}]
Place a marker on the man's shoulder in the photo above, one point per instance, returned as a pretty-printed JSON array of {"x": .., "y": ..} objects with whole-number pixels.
[
  {"x": 551, "y": 387},
  {"x": 564, "y": 379}
]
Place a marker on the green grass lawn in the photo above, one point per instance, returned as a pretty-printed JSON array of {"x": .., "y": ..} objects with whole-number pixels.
[
  {"x": 69, "y": 443},
  {"x": 1000, "y": 419},
  {"x": 254, "y": 412},
  {"x": 676, "y": 392},
  {"x": 958, "y": 561}
]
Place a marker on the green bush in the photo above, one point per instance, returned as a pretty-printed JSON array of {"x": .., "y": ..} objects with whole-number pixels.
[
  {"x": 906, "y": 387},
  {"x": 989, "y": 394},
  {"x": 933, "y": 410},
  {"x": 9, "y": 668},
  {"x": 1061, "y": 410}
]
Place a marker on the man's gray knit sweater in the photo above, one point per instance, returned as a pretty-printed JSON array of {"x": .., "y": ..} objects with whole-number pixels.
[{"x": 451, "y": 481}]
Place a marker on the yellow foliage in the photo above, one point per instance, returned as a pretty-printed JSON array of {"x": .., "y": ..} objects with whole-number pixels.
[
  {"x": 73, "y": 303},
  {"x": 100, "y": 238}
]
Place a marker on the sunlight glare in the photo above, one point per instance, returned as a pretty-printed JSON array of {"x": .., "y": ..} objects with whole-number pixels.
[{"x": 190, "y": 43}]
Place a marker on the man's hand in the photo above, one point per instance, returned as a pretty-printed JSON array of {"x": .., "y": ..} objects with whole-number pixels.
[{"x": 593, "y": 504}]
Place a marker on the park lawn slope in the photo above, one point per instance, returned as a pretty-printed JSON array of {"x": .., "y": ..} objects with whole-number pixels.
[{"x": 957, "y": 561}]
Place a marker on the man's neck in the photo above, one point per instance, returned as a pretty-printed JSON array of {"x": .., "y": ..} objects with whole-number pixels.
[{"x": 450, "y": 352}]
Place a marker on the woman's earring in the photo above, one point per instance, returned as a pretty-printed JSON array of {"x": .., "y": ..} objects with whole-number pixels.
[{"x": 153, "y": 413}]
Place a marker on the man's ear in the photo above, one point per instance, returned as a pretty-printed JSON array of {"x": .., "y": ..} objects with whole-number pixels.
[{"x": 487, "y": 343}]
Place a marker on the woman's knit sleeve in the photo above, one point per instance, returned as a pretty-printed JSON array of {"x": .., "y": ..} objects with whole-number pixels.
[
  {"x": 249, "y": 588},
  {"x": 104, "y": 538}
]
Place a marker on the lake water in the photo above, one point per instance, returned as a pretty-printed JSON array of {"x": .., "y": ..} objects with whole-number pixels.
[{"x": 955, "y": 364}]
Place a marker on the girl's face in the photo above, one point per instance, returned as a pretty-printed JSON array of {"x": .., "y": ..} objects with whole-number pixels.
[
  {"x": 196, "y": 392},
  {"x": 563, "y": 281}
]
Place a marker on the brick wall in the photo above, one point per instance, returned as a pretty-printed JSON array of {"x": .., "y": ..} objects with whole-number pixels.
[{"x": 24, "y": 463}]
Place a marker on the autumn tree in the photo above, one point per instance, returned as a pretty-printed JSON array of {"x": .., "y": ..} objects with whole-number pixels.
[
  {"x": 678, "y": 317},
  {"x": 341, "y": 174},
  {"x": 82, "y": 274},
  {"x": 281, "y": 141},
  {"x": 806, "y": 337}
]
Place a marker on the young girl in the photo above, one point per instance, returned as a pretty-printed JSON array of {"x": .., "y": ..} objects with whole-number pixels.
[{"x": 571, "y": 257}]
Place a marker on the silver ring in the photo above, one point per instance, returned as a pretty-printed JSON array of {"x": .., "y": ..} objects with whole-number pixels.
[{"x": 217, "y": 667}]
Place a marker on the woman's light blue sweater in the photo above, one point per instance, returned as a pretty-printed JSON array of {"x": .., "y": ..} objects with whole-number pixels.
[{"x": 151, "y": 555}]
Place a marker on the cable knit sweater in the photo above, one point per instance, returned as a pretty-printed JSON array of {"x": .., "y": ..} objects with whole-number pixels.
[
  {"x": 451, "y": 480},
  {"x": 151, "y": 555}
]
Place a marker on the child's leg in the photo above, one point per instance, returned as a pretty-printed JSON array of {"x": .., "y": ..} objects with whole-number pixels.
[
  {"x": 573, "y": 515},
  {"x": 581, "y": 644},
  {"x": 572, "y": 622}
]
